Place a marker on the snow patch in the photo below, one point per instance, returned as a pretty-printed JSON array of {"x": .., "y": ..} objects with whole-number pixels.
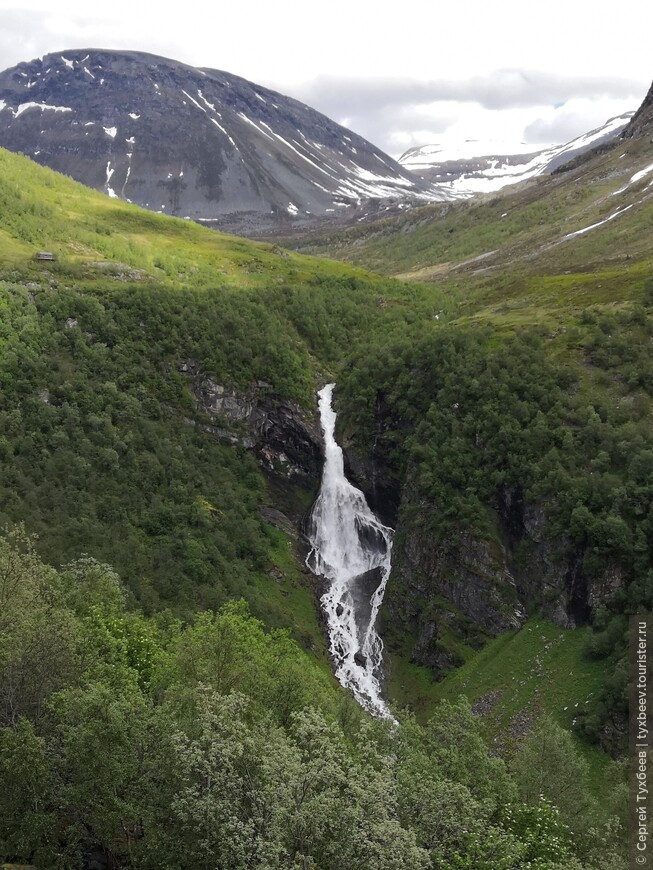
[
  {"x": 292, "y": 209},
  {"x": 255, "y": 126},
  {"x": 209, "y": 105},
  {"x": 43, "y": 106},
  {"x": 500, "y": 163},
  {"x": 134, "y": 116},
  {"x": 635, "y": 178},
  {"x": 194, "y": 102},
  {"x": 128, "y": 173},
  {"x": 220, "y": 127},
  {"x": 69, "y": 63},
  {"x": 107, "y": 184},
  {"x": 614, "y": 215},
  {"x": 111, "y": 131}
]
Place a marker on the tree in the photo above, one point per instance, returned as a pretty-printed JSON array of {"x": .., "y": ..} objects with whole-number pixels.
[{"x": 547, "y": 765}]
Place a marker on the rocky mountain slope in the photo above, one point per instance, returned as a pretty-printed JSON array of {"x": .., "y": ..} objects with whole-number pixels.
[
  {"x": 194, "y": 143},
  {"x": 473, "y": 167},
  {"x": 642, "y": 121}
]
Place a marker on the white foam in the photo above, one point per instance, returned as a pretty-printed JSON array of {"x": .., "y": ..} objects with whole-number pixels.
[{"x": 348, "y": 542}]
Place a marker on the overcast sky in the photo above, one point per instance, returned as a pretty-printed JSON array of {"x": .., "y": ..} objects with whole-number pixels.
[{"x": 400, "y": 74}]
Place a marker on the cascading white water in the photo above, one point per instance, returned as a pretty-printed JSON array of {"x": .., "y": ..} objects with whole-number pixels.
[{"x": 348, "y": 542}]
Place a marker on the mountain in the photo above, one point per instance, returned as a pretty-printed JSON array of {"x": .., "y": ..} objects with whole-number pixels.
[
  {"x": 194, "y": 143},
  {"x": 473, "y": 167}
]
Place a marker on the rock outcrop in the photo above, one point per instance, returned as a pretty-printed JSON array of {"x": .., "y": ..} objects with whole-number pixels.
[{"x": 285, "y": 440}]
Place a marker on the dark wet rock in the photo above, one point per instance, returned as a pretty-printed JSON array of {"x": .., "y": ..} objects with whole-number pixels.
[
  {"x": 641, "y": 124},
  {"x": 279, "y": 520},
  {"x": 284, "y": 438},
  {"x": 362, "y": 588}
]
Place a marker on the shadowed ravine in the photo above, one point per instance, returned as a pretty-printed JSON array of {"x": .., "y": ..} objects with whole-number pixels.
[{"x": 350, "y": 547}]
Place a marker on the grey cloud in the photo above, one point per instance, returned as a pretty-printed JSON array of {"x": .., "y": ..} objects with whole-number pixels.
[
  {"x": 501, "y": 89},
  {"x": 383, "y": 127},
  {"x": 26, "y": 35},
  {"x": 564, "y": 127}
]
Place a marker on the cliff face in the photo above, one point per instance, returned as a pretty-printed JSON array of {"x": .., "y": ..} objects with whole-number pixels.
[
  {"x": 284, "y": 439},
  {"x": 468, "y": 588}
]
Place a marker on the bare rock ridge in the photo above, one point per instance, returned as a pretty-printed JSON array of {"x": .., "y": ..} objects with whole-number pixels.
[
  {"x": 642, "y": 120},
  {"x": 195, "y": 143}
]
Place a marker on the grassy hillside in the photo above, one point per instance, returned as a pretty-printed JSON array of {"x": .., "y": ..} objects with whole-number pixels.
[
  {"x": 105, "y": 440},
  {"x": 541, "y": 670},
  {"x": 517, "y": 249}
]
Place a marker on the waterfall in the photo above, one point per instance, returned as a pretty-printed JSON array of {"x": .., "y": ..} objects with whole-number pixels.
[{"x": 351, "y": 549}]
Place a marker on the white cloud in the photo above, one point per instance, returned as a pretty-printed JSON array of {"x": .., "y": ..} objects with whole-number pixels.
[{"x": 575, "y": 117}]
